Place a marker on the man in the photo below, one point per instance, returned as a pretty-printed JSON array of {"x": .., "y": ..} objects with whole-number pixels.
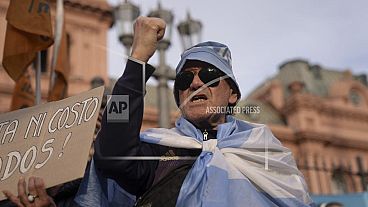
[{"x": 221, "y": 161}]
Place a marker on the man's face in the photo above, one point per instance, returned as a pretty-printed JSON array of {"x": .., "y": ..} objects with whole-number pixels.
[{"x": 196, "y": 108}]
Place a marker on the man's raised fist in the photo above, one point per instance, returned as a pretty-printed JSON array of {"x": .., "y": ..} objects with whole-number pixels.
[{"x": 147, "y": 32}]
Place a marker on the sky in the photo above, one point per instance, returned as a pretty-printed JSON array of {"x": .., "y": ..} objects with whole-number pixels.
[{"x": 263, "y": 34}]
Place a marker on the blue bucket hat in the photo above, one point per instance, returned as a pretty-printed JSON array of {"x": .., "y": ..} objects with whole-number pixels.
[{"x": 214, "y": 53}]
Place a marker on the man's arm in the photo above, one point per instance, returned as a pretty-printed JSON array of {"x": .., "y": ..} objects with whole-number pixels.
[{"x": 122, "y": 139}]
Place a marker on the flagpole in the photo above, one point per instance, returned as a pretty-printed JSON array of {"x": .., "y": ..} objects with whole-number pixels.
[
  {"x": 59, "y": 21},
  {"x": 38, "y": 79}
]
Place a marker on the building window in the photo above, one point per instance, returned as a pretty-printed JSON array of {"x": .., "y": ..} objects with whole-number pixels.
[
  {"x": 44, "y": 62},
  {"x": 68, "y": 44},
  {"x": 355, "y": 97},
  {"x": 338, "y": 181}
]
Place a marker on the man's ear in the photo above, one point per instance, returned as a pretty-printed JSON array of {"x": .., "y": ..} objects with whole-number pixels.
[{"x": 233, "y": 97}]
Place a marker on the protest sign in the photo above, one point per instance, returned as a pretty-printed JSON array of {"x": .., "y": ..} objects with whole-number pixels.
[{"x": 51, "y": 140}]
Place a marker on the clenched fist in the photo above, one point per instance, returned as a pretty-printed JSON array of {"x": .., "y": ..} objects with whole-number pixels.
[{"x": 147, "y": 32}]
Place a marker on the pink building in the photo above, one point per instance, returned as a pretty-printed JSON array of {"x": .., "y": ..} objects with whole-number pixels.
[
  {"x": 87, "y": 24},
  {"x": 319, "y": 113},
  {"x": 322, "y": 116}
]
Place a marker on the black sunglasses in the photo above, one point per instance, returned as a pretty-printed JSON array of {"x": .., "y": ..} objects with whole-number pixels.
[{"x": 207, "y": 74}]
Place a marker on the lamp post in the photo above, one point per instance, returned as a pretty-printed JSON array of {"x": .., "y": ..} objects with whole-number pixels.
[
  {"x": 190, "y": 31},
  {"x": 163, "y": 72},
  {"x": 125, "y": 15}
]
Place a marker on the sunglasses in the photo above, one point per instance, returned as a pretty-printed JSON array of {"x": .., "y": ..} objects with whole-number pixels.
[{"x": 206, "y": 75}]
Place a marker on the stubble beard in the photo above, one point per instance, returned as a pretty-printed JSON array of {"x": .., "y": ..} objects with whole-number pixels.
[{"x": 206, "y": 120}]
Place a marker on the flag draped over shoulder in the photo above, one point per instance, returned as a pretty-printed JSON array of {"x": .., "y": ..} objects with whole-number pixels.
[
  {"x": 23, "y": 94},
  {"x": 28, "y": 31},
  {"x": 60, "y": 66},
  {"x": 245, "y": 166},
  {"x": 98, "y": 191}
]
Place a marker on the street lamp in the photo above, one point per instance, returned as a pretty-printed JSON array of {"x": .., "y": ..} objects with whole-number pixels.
[
  {"x": 125, "y": 15},
  {"x": 190, "y": 32},
  {"x": 168, "y": 17},
  {"x": 163, "y": 72}
]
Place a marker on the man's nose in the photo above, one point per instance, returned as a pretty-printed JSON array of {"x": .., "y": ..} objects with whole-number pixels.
[{"x": 196, "y": 83}]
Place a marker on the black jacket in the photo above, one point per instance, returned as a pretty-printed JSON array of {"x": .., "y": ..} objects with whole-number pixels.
[{"x": 122, "y": 139}]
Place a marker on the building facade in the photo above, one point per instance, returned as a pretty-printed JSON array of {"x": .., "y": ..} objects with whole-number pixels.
[
  {"x": 87, "y": 24},
  {"x": 319, "y": 113},
  {"x": 322, "y": 116}
]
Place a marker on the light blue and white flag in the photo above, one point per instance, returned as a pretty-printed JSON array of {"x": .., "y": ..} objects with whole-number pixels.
[
  {"x": 98, "y": 191},
  {"x": 245, "y": 166}
]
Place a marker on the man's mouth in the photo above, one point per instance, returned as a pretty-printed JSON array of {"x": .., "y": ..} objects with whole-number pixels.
[{"x": 198, "y": 98}]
